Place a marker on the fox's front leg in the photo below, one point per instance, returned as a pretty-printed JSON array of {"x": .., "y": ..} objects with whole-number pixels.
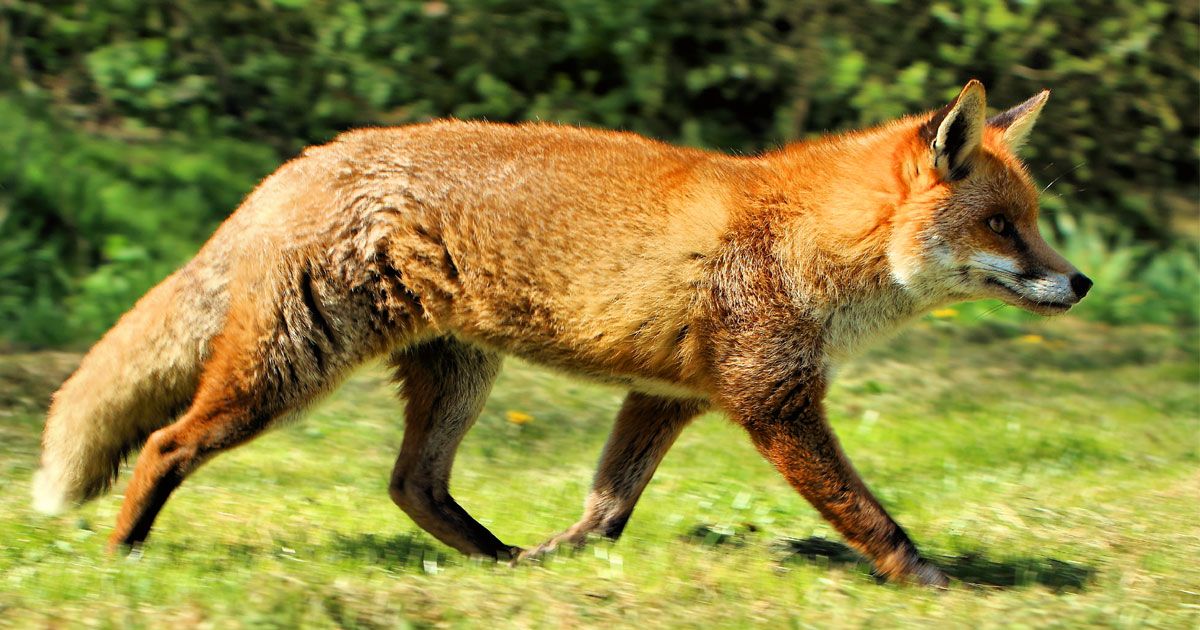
[
  {"x": 646, "y": 428},
  {"x": 780, "y": 404}
]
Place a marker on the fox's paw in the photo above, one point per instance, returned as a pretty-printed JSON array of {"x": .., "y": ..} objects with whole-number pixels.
[
  {"x": 567, "y": 541},
  {"x": 926, "y": 574},
  {"x": 506, "y": 554},
  {"x": 919, "y": 572},
  {"x": 908, "y": 567},
  {"x": 120, "y": 548}
]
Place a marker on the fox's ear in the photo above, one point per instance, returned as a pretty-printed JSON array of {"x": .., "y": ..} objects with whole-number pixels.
[
  {"x": 955, "y": 132},
  {"x": 1018, "y": 121}
]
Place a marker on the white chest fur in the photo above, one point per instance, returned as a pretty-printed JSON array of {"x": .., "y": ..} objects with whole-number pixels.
[{"x": 853, "y": 326}]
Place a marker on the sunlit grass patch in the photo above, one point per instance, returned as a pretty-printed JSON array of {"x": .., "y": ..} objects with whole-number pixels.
[{"x": 1056, "y": 481}]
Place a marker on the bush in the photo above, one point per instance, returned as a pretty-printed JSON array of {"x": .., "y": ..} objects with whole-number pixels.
[
  {"x": 114, "y": 163},
  {"x": 93, "y": 222},
  {"x": 730, "y": 74}
]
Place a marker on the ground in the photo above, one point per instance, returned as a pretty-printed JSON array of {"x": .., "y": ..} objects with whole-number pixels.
[{"x": 1050, "y": 469}]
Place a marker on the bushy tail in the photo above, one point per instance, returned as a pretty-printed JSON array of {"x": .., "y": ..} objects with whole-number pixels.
[{"x": 135, "y": 380}]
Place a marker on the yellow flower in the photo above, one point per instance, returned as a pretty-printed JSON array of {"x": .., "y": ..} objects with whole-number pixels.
[
  {"x": 1031, "y": 339},
  {"x": 517, "y": 417},
  {"x": 944, "y": 313}
]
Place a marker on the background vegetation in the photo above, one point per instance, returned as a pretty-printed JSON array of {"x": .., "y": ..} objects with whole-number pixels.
[
  {"x": 132, "y": 127},
  {"x": 1050, "y": 467}
]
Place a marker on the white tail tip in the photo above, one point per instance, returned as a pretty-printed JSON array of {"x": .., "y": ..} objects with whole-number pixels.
[{"x": 49, "y": 497}]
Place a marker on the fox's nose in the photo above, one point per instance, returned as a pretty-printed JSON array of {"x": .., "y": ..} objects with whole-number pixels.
[{"x": 1081, "y": 284}]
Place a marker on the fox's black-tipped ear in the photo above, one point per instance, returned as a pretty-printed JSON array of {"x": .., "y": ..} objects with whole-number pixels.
[
  {"x": 1018, "y": 121},
  {"x": 955, "y": 133}
]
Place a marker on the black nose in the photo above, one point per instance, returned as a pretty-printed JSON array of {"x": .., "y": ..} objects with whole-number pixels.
[{"x": 1081, "y": 284}]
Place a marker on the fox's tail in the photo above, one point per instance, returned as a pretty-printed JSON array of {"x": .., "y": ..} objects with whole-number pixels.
[{"x": 135, "y": 380}]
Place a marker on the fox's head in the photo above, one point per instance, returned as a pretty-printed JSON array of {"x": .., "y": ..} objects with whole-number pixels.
[{"x": 969, "y": 229}]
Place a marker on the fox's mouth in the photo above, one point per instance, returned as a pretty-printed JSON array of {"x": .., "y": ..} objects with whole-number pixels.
[{"x": 1027, "y": 303}]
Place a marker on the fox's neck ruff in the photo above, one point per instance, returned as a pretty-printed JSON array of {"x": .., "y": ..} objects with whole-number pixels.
[
  {"x": 850, "y": 223},
  {"x": 850, "y": 246}
]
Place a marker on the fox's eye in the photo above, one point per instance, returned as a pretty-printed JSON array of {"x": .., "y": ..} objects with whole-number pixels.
[{"x": 998, "y": 224}]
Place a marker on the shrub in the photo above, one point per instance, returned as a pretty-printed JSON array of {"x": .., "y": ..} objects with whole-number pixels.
[
  {"x": 95, "y": 221},
  {"x": 131, "y": 127},
  {"x": 729, "y": 74}
]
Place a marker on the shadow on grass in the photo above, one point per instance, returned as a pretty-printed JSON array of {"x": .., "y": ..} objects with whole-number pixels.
[
  {"x": 972, "y": 568},
  {"x": 211, "y": 556},
  {"x": 409, "y": 552},
  {"x": 401, "y": 550}
]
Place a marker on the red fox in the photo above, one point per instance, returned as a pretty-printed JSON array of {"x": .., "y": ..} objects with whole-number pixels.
[{"x": 692, "y": 278}]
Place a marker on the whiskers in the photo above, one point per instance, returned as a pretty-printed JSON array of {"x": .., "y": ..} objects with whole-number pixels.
[
  {"x": 991, "y": 311},
  {"x": 1037, "y": 290},
  {"x": 1062, "y": 175},
  {"x": 999, "y": 271}
]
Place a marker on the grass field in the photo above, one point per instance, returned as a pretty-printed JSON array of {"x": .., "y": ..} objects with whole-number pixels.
[{"x": 1053, "y": 470}]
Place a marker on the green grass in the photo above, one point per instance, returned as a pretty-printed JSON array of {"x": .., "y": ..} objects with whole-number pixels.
[{"x": 1054, "y": 477}]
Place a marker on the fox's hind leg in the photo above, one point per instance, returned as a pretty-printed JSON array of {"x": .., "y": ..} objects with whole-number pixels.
[
  {"x": 646, "y": 428},
  {"x": 223, "y": 415},
  {"x": 445, "y": 383},
  {"x": 265, "y": 364}
]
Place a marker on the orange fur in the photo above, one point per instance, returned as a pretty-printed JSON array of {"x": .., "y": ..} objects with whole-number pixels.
[{"x": 693, "y": 278}]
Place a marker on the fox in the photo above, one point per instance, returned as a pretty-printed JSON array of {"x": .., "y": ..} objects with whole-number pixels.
[{"x": 696, "y": 280}]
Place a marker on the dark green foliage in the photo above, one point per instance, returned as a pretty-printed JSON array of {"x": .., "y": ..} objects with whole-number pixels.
[
  {"x": 89, "y": 222},
  {"x": 729, "y": 74},
  {"x": 140, "y": 92}
]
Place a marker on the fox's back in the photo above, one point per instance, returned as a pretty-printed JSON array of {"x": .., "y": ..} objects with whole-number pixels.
[{"x": 564, "y": 245}]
